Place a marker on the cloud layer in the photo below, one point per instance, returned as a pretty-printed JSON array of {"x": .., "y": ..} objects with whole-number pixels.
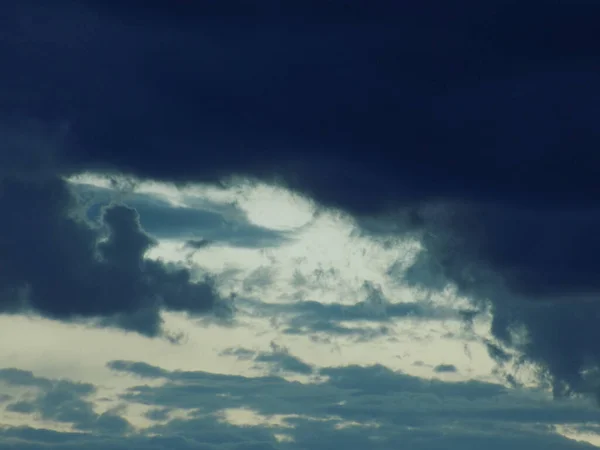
[
  {"x": 350, "y": 406},
  {"x": 473, "y": 126}
]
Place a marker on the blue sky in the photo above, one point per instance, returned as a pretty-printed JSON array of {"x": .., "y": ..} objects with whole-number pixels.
[{"x": 299, "y": 225}]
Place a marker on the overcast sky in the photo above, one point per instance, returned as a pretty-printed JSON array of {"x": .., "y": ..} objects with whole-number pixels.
[{"x": 299, "y": 225}]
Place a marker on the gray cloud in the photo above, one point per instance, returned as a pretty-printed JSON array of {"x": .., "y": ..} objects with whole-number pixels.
[
  {"x": 364, "y": 320},
  {"x": 445, "y": 368},
  {"x": 203, "y": 222},
  {"x": 62, "y": 401},
  {"x": 158, "y": 414},
  {"x": 279, "y": 359},
  {"x": 536, "y": 271},
  {"x": 351, "y": 407},
  {"x": 282, "y": 360},
  {"x": 488, "y": 109},
  {"x": 354, "y": 393},
  {"x": 139, "y": 369},
  {"x": 57, "y": 264},
  {"x": 197, "y": 244}
]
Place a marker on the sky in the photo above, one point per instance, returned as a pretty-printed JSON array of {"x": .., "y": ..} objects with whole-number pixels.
[{"x": 291, "y": 225}]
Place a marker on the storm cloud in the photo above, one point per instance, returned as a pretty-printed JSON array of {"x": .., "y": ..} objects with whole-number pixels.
[
  {"x": 476, "y": 126},
  {"x": 57, "y": 264}
]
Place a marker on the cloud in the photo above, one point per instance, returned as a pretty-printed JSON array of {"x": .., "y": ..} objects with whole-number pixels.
[
  {"x": 445, "y": 368},
  {"x": 353, "y": 393},
  {"x": 196, "y": 224},
  {"x": 536, "y": 270},
  {"x": 279, "y": 359},
  {"x": 369, "y": 318},
  {"x": 514, "y": 97},
  {"x": 197, "y": 244},
  {"x": 62, "y": 401},
  {"x": 478, "y": 123},
  {"x": 374, "y": 401},
  {"x": 57, "y": 264},
  {"x": 139, "y": 369},
  {"x": 158, "y": 414},
  {"x": 349, "y": 406}
]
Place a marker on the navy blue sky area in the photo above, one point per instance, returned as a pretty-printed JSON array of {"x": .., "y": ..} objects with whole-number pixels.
[{"x": 400, "y": 101}]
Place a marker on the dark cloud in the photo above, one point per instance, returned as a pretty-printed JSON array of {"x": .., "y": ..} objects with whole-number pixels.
[
  {"x": 62, "y": 401},
  {"x": 158, "y": 414},
  {"x": 407, "y": 101},
  {"x": 496, "y": 353},
  {"x": 393, "y": 401},
  {"x": 197, "y": 244},
  {"x": 323, "y": 331},
  {"x": 243, "y": 354},
  {"x": 21, "y": 407},
  {"x": 364, "y": 320},
  {"x": 17, "y": 377},
  {"x": 279, "y": 359},
  {"x": 351, "y": 407},
  {"x": 273, "y": 395},
  {"x": 139, "y": 369},
  {"x": 57, "y": 264},
  {"x": 486, "y": 110},
  {"x": 537, "y": 269},
  {"x": 445, "y": 368}
]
